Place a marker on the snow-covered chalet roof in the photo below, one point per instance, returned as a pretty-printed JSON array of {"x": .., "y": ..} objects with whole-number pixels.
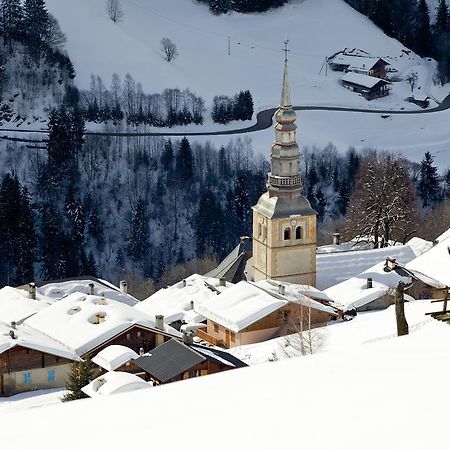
[
  {"x": 114, "y": 356},
  {"x": 114, "y": 383},
  {"x": 16, "y": 306},
  {"x": 334, "y": 268},
  {"x": 357, "y": 62},
  {"x": 245, "y": 303},
  {"x": 174, "y": 302},
  {"x": 353, "y": 293},
  {"x": 72, "y": 321},
  {"x": 60, "y": 289},
  {"x": 27, "y": 337},
  {"x": 433, "y": 267},
  {"x": 365, "y": 81}
]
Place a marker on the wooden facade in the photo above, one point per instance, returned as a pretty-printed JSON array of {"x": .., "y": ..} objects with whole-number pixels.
[
  {"x": 282, "y": 322},
  {"x": 23, "y": 369},
  {"x": 381, "y": 89}
]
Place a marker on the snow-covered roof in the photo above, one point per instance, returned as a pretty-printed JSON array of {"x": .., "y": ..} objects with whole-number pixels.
[
  {"x": 72, "y": 321},
  {"x": 443, "y": 236},
  {"x": 16, "y": 306},
  {"x": 433, "y": 267},
  {"x": 60, "y": 289},
  {"x": 333, "y": 268},
  {"x": 245, "y": 303},
  {"x": 26, "y": 337},
  {"x": 114, "y": 383},
  {"x": 358, "y": 62},
  {"x": 114, "y": 356},
  {"x": 362, "y": 80},
  {"x": 174, "y": 302},
  {"x": 353, "y": 293}
]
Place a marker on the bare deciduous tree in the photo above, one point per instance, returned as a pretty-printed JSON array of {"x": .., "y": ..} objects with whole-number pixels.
[
  {"x": 383, "y": 207},
  {"x": 55, "y": 38},
  {"x": 114, "y": 10},
  {"x": 412, "y": 78},
  {"x": 169, "y": 49}
]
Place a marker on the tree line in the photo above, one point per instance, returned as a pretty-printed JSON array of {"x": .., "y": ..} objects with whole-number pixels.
[
  {"x": 242, "y": 6},
  {"x": 409, "y": 22}
]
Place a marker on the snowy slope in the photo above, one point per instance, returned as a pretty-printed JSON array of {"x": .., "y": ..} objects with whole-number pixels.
[
  {"x": 374, "y": 397},
  {"x": 316, "y": 29}
]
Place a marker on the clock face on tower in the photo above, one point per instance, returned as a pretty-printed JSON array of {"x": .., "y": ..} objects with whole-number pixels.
[{"x": 293, "y": 222}]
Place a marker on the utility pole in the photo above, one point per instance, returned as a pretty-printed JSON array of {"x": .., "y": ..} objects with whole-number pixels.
[{"x": 229, "y": 46}]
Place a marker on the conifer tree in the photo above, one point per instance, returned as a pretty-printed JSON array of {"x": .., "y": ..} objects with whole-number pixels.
[
  {"x": 81, "y": 375},
  {"x": 11, "y": 21},
  {"x": 184, "y": 163},
  {"x": 428, "y": 181},
  {"x": 139, "y": 240},
  {"x": 36, "y": 25},
  {"x": 442, "y": 16},
  {"x": 423, "y": 29}
]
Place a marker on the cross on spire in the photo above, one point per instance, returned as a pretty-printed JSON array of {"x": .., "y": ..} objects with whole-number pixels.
[{"x": 286, "y": 50}]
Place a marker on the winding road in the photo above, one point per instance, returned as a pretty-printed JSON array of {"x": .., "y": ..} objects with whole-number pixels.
[{"x": 264, "y": 120}]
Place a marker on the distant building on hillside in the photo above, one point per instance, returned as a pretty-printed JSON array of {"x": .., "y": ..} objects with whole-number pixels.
[
  {"x": 369, "y": 87},
  {"x": 363, "y": 64}
]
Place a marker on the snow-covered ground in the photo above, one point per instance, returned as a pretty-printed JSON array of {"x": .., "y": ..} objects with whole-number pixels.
[
  {"x": 383, "y": 395},
  {"x": 30, "y": 400}
]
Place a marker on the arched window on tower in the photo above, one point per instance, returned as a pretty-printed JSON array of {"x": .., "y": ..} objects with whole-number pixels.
[
  {"x": 299, "y": 233},
  {"x": 259, "y": 230},
  {"x": 287, "y": 234}
]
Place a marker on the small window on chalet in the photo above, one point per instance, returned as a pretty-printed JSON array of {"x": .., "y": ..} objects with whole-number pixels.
[
  {"x": 299, "y": 233},
  {"x": 51, "y": 375},
  {"x": 27, "y": 378},
  {"x": 138, "y": 334},
  {"x": 216, "y": 328},
  {"x": 128, "y": 336},
  {"x": 287, "y": 234},
  {"x": 233, "y": 337}
]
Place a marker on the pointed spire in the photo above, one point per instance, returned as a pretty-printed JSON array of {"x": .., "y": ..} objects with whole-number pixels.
[{"x": 286, "y": 94}]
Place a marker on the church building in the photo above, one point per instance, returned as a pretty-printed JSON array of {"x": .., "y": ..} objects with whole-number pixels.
[{"x": 284, "y": 223}]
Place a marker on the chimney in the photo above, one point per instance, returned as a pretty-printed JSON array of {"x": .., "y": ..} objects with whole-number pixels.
[
  {"x": 281, "y": 289},
  {"x": 223, "y": 282},
  {"x": 192, "y": 304},
  {"x": 337, "y": 239},
  {"x": 124, "y": 287},
  {"x": 14, "y": 325},
  {"x": 184, "y": 283},
  {"x": 188, "y": 337},
  {"x": 32, "y": 291},
  {"x": 12, "y": 335},
  {"x": 91, "y": 287},
  {"x": 141, "y": 352},
  {"x": 369, "y": 283},
  {"x": 243, "y": 239},
  {"x": 159, "y": 322}
]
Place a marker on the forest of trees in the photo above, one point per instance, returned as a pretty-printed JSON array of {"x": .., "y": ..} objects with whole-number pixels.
[
  {"x": 225, "y": 109},
  {"x": 244, "y": 6},
  {"x": 409, "y": 22}
]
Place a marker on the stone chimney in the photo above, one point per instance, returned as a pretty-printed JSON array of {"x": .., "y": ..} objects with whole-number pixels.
[
  {"x": 32, "y": 291},
  {"x": 223, "y": 282},
  {"x": 124, "y": 287},
  {"x": 141, "y": 352},
  {"x": 159, "y": 322},
  {"x": 192, "y": 304},
  {"x": 91, "y": 288},
  {"x": 14, "y": 325},
  {"x": 184, "y": 283},
  {"x": 369, "y": 283},
  {"x": 282, "y": 289},
  {"x": 337, "y": 239},
  {"x": 12, "y": 335}
]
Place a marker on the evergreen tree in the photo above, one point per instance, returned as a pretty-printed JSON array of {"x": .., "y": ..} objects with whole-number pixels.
[
  {"x": 81, "y": 375},
  {"x": 184, "y": 163},
  {"x": 321, "y": 204},
  {"x": 74, "y": 214},
  {"x": 423, "y": 29},
  {"x": 428, "y": 181},
  {"x": 138, "y": 244},
  {"x": 242, "y": 203},
  {"x": 36, "y": 25},
  {"x": 11, "y": 21},
  {"x": 167, "y": 157},
  {"x": 219, "y": 6},
  {"x": 442, "y": 16}
]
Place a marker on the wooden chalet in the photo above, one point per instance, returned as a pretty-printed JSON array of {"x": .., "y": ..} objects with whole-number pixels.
[
  {"x": 365, "y": 65},
  {"x": 367, "y": 86}
]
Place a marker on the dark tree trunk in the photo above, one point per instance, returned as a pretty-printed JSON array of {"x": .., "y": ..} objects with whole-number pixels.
[{"x": 402, "y": 324}]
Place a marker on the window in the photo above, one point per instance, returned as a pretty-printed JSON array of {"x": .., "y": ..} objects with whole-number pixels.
[
  {"x": 138, "y": 334},
  {"x": 287, "y": 234},
  {"x": 233, "y": 337},
  {"x": 128, "y": 336},
  {"x": 27, "y": 378},
  {"x": 51, "y": 375},
  {"x": 216, "y": 328},
  {"x": 298, "y": 233},
  {"x": 259, "y": 230}
]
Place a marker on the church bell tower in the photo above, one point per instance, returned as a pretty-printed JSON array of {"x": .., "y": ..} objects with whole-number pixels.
[{"x": 284, "y": 224}]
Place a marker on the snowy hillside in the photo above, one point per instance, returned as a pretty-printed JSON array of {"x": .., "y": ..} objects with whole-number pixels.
[{"x": 316, "y": 29}]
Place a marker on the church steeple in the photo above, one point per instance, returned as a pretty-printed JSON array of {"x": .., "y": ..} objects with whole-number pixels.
[{"x": 284, "y": 178}]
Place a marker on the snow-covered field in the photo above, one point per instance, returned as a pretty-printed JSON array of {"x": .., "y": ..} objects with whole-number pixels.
[{"x": 383, "y": 395}]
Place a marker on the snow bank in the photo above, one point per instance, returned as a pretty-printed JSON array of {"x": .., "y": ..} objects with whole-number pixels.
[{"x": 115, "y": 383}]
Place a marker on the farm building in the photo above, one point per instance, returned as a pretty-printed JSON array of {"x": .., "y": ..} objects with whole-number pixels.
[
  {"x": 369, "y": 87},
  {"x": 365, "y": 65}
]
